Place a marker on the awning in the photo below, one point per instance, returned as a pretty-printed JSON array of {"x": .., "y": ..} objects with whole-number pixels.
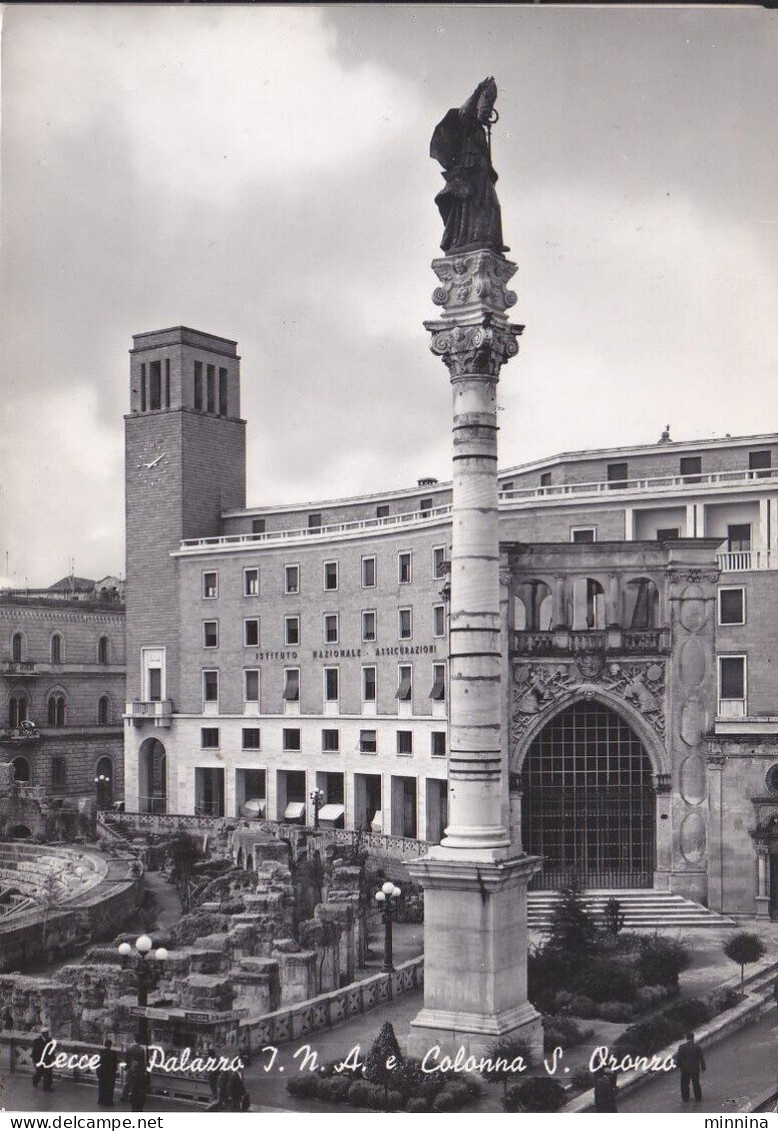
[
  {"x": 331, "y": 812},
  {"x": 254, "y": 807},
  {"x": 404, "y": 690},
  {"x": 292, "y": 688},
  {"x": 439, "y": 687},
  {"x": 294, "y": 811},
  {"x": 377, "y": 824}
]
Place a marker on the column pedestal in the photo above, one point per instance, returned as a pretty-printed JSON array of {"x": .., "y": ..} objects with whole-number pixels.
[{"x": 475, "y": 952}]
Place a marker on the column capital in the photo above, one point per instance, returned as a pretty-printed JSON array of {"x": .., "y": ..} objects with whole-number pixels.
[
  {"x": 474, "y": 350},
  {"x": 473, "y": 284}
]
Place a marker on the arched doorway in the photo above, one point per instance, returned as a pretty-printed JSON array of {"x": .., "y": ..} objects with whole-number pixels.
[
  {"x": 21, "y": 769},
  {"x": 588, "y": 800},
  {"x": 152, "y": 777},
  {"x": 104, "y": 782}
]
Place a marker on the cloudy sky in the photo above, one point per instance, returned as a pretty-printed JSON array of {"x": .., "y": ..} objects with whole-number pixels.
[{"x": 262, "y": 173}]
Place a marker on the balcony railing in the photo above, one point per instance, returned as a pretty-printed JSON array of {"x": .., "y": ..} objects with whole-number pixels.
[
  {"x": 158, "y": 711},
  {"x": 19, "y": 667},
  {"x": 19, "y": 736},
  {"x": 655, "y": 483},
  {"x": 630, "y": 641},
  {"x": 739, "y": 561}
]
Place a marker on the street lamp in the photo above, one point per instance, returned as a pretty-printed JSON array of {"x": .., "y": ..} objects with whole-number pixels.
[
  {"x": 317, "y": 800},
  {"x": 145, "y": 973},
  {"x": 386, "y": 899}
]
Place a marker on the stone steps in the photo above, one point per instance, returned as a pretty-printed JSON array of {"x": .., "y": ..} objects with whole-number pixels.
[{"x": 642, "y": 908}]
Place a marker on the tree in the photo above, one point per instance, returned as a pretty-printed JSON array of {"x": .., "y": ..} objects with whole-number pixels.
[
  {"x": 613, "y": 917},
  {"x": 504, "y": 1067},
  {"x": 384, "y": 1062},
  {"x": 573, "y": 929},
  {"x": 182, "y": 854},
  {"x": 744, "y": 948}
]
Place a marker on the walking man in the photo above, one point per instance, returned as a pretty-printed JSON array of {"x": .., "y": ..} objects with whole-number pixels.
[
  {"x": 691, "y": 1063},
  {"x": 604, "y": 1091},
  {"x": 41, "y": 1072},
  {"x": 106, "y": 1074}
]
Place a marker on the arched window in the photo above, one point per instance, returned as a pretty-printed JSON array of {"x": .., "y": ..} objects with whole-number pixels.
[
  {"x": 103, "y": 650},
  {"x": 588, "y": 604},
  {"x": 56, "y": 648},
  {"x": 103, "y": 710},
  {"x": 642, "y": 598},
  {"x": 17, "y": 647},
  {"x": 17, "y": 711},
  {"x": 57, "y": 709}
]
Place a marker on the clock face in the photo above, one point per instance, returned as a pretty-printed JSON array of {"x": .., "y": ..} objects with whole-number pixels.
[{"x": 153, "y": 463}]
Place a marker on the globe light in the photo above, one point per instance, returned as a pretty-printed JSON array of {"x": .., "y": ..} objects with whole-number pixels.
[
  {"x": 160, "y": 954},
  {"x": 125, "y": 950},
  {"x": 144, "y": 944},
  {"x": 388, "y": 888},
  {"x": 396, "y": 893},
  {"x": 380, "y": 897}
]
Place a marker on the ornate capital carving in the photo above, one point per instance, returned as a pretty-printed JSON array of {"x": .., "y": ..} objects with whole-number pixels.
[
  {"x": 473, "y": 283},
  {"x": 474, "y": 351},
  {"x": 693, "y": 575}
]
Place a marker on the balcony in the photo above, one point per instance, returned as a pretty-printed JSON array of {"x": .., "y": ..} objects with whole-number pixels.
[
  {"x": 156, "y": 711},
  {"x": 655, "y": 485},
  {"x": 740, "y": 561},
  {"x": 618, "y": 641},
  {"x": 20, "y": 736},
  {"x": 24, "y": 669},
  {"x": 21, "y": 669}
]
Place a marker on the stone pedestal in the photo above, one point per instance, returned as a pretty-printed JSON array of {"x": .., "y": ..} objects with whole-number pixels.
[{"x": 475, "y": 955}]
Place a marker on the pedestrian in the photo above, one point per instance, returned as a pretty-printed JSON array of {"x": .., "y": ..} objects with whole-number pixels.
[
  {"x": 604, "y": 1091},
  {"x": 691, "y": 1063},
  {"x": 106, "y": 1074},
  {"x": 136, "y": 1082},
  {"x": 775, "y": 990},
  {"x": 213, "y": 1074},
  {"x": 42, "y": 1072}
]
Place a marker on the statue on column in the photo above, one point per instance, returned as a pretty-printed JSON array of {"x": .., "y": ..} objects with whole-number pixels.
[{"x": 469, "y": 204}]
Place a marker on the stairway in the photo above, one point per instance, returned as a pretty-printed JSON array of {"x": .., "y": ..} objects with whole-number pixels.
[{"x": 642, "y": 907}]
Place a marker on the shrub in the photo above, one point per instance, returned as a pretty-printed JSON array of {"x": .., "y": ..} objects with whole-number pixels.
[
  {"x": 725, "y": 999},
  {"x": 573, "y": 928},
  {"x": 582, "y": 1006},
  {"x": 608, "y": 979},
  {"x": 443, "y": 1101},
  {"x": 460, "y": 1096},
  {"x": 333, "y": 1089},
  {"x": 613, "y": 917},
  {"x": 563, "y": 1031},
  {"x": 661, "y": 960},
  {"x": 649, "y": 996},
  {"x": 688, "y": 1013},
  {"x": 473, "y": 1085},
  {"x": 744, "y": 948},
  {"x": 395, "y": 1100},
  {"x": 582, "y": 1079},
  {"x": 616, "y": 1011},
  {"x": 417, "y": 1104},
  {"x": 359, "y": 1092},
  {"x": 548, "y": 973},
  {"x": 413, "y": 1083},
  {"x": 669, "y": 1025},
  {"x": 504, "y": 1054},
  {"x": 540, "y": 1095},
  {"x": 304, "y": 1087}
]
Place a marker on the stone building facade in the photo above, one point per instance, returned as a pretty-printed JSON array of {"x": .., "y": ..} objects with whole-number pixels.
[
  {"x": 62, "y": 688},
  {"x": 273, "y": 650}
]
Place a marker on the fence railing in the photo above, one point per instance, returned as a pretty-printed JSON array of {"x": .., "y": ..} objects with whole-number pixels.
[{"x": 739, "y": 561}]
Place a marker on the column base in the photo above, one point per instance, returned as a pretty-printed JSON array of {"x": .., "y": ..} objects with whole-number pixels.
[
  {"x": 438, "y": 1033},
  {"x": 763, "y": 907}
]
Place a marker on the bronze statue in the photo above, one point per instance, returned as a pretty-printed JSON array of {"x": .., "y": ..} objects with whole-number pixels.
[{"x": 469, "y": 204}]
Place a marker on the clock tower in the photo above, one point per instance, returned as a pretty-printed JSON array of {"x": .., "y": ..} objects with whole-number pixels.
[{"x": 185, "y": 463}]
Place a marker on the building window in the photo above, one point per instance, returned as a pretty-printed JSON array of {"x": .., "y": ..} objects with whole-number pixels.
[
  {"x": 167, "y": 382},
  {"x": 103, "y": 650},
  {"x": 331, "y": 692},
  {"x": 59, "y": 773},
  {"x": 405, "y": 742},
  {"x": 507, "y": 486},
  {"x": 209, "y": 738},
  {"x": 330, "y": 741},
  {"x": 17, "y": 647},
  {"x": 314, "y": 521},
  {"x": 222, "y": 392},
  {"x": 331, "y": 629},
  {"x": 760, "y": 463},
  {"x": 17, "y": 711},
  {"x": 257, "y": 526},
  {"x": 545, "y": 479},
  {"x": 292, "y": 630},
  {"x": 739, "y": 537},
  {"x": 425, "y": 506},
  {"x": 251, "y": 738},
  {"x": 211, "y": 686},
  {"x": 438, "y": 744},
  {"x": 290, "y": 738},
  {"x": 405, "y": 683},
  {"x": 691, "y": 468},
  {"x": 667, "y": 533},
  {"x": 439, "y": 562},
  {"x": 617, "y": 475},
  {"x": 405, "y": 623},
  {"x": 732, "y": 605},
  {"x": 438, "y": 620},
  {"x": 330, "y": 575},
  {"x": 291, "y": 579},
  {"x": 210, "y": 584},
  {"x": 382, "y": 510},
  {"x": 210, "y": 385},
  {"x": 438, "y": 692},
  {"x": 210, "y": 634},
  {"x": 404, "y": 567},
  {"x": 291, "y": 685},
  {"x": 367, "y": 742},
  {"x": 251, "y": 582},
  {"x": 143, "y": 387},
  {"x": 368, "y": 573},
  {"x": 251, "y": 687},
  {"x": 368, "y": 625},
  {"x": 771, "y": 780},
  {"x": 582, "y": 533},
  {"x": 155, "y": 385},
  {"x": 56, "y": 710},
  {"x": 56, "y": 648},
  {"x": 732, "y": 686},
  {"x": 368, "y": 685},
  {"x": 103, "y": 711},
  {"x": 154, "y": 683},
  {"x": 198, "y": 385},
  {"x": 251, "y": 632}
]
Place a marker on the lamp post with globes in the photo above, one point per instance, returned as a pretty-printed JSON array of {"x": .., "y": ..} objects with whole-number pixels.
[
  {"x": 145, "y": 973},
  {"x": 317, "y": 800},
  {"x": 386, "y": 899}
]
